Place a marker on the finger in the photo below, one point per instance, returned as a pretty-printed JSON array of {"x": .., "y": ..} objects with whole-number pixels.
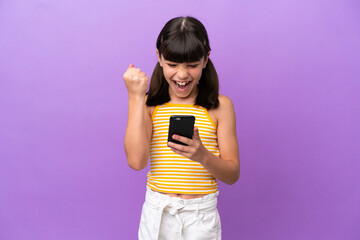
[
  {"x": 177, "y": 146},
  {"x": 182, "y": 139},
  {"x": 142, "y": 74},
  {"x": 185, "y": 154},
  {"x": 134, "y": 70},
  {"x": 146, "y": 78},
  {"x": 196, "y": 133},
  {"x": 135, "y": 78}
]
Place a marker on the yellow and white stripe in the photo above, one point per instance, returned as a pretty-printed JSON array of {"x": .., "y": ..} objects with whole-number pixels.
[{"x": 171, "y": 172}]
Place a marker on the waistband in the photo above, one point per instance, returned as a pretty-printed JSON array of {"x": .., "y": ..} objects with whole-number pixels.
[{"x": 176, "y": 205}]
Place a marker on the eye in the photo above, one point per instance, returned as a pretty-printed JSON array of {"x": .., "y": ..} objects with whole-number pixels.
[
  {"x": 171, "y": 65},
  {"x": 193, "y": 65}
]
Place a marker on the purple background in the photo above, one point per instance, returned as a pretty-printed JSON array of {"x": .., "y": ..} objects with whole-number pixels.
[{"x": 290, "y": 67}]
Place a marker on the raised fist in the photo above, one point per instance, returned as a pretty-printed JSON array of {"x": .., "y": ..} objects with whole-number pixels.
[{"x": 136, "y": 81}]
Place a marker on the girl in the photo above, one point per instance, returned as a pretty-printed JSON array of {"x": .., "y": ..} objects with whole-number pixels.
[{"x": 182, "y": 192}]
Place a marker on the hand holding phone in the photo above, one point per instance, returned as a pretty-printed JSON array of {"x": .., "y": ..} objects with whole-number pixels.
[{"x": 181, "y": 125}]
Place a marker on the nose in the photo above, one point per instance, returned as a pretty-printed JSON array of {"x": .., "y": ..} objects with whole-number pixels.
[{"x": 182, "y": 73}]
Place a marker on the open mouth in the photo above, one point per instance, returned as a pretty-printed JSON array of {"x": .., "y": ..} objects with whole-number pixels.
[{"x": 182, "y": 86}]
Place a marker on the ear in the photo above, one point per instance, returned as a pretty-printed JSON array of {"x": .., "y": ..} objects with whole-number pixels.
[
  {"x": 159, "y": 58},
  {"x": 206, "y": 60}
]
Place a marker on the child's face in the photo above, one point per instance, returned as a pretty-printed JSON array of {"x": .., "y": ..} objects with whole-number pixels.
[{"x": 182, "y": 77}]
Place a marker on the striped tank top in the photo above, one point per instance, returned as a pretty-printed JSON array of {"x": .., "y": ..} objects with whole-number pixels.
[{"x": 174, "y": 173}]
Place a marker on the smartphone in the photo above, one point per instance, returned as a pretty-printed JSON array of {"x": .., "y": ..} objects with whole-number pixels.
[{"x": 181, "y": 125}]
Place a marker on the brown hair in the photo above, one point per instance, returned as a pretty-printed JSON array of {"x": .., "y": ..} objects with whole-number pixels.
[{"x": 184, "y": 39}]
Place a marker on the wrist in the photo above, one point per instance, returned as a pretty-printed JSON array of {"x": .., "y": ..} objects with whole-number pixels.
[
  {"x": 207, "y": 157},
  {"x": 136, "y": 98}
]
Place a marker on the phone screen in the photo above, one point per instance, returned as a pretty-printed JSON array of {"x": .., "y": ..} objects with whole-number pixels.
[{"x": 181, "y": 125}]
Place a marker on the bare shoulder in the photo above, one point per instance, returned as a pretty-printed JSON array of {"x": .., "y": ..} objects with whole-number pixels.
[
  {"x": 225, "y": 102},
  {"x": 149, "y": 109},
  {"x": 225, "y": 108},
  {"x": 148, "y": 119}
]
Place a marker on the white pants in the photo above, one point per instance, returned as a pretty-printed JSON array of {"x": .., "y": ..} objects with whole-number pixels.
[{"x": 164, "y": 217}]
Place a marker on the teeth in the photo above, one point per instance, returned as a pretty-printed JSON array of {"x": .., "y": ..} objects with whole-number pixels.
[{"x": 181, "y": 83}]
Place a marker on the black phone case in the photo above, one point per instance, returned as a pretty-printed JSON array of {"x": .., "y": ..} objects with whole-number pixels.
[{"x": 181, "y": 125}]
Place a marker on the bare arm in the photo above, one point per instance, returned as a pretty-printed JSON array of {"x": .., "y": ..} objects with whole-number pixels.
[
  {"x": 226, "y": 168},
  {"x": 139, "y": 126}
]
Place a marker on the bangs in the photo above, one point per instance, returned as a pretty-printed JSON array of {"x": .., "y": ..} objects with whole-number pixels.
[{"x": 182, "y": 48}]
